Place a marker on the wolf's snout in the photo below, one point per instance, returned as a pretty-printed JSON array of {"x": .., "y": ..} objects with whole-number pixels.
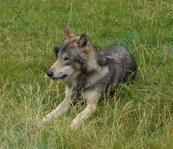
[{"x": 50, "y": 73}]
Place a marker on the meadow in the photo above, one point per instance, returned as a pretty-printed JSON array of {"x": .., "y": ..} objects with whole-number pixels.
[{"x": 139, "y": 116}]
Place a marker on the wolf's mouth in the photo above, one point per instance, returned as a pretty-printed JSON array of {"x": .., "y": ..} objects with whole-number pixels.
[{"x": 60, "y": 77}]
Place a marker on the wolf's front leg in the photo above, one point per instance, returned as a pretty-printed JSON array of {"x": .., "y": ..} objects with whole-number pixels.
[
  {"x": 92, "y": 98},
  {"x": 61, "y": 108}
]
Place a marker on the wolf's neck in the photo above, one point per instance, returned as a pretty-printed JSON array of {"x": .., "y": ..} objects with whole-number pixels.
[{"x": 95, "y": 61}]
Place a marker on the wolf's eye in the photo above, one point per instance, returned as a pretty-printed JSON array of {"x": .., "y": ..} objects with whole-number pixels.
[{"x": 66, "y": 58}]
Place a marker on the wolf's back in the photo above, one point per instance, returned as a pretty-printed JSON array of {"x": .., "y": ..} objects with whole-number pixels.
[{"x": 121, "y": 62}]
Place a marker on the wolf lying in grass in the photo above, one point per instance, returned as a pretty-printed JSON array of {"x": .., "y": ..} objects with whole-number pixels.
[{"x": 88, "y": 73}]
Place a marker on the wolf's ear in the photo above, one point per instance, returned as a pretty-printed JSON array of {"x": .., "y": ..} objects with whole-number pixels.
[
  {"x": 83, "y": 40},
  {"x": 68, "y": 33},
  {"x": 56, "y": 50}
]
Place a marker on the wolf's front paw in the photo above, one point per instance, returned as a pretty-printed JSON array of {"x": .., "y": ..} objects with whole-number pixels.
[
  {"x": 43, "y": 121},
  {"x": 74, "y": 124}
]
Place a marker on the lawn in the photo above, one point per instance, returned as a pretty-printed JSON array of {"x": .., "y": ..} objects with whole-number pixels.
[{"x": 139, "y": 116}]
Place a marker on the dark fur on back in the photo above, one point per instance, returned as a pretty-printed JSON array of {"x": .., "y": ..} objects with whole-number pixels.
[{"x": 121, "y": 64}]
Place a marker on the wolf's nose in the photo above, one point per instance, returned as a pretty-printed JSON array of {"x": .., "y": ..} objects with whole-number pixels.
[{"x": 50, "y": 73}]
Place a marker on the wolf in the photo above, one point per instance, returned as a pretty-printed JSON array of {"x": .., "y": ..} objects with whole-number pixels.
[{"x": 87, "y": 73}]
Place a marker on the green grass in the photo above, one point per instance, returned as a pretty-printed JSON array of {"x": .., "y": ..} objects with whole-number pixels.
[{"x": 140, "y": 116}]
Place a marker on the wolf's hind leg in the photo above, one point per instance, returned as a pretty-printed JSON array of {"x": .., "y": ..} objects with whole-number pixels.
[
  {"x": 92, "y": 98},
  {"x": 61, "y": 108}
]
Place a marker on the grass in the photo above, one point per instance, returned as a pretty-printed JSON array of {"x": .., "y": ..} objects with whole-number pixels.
[{"x": 140, "y": 116}]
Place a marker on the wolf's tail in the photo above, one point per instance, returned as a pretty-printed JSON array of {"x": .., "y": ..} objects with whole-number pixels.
[{"x": 131, "y": 70}]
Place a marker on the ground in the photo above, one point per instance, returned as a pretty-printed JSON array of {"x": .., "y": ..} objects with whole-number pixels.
[{"x": 141, "y": 113}]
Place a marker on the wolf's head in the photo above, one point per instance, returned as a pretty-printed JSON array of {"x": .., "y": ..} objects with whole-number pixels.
[{"x": 73, "y": 56}]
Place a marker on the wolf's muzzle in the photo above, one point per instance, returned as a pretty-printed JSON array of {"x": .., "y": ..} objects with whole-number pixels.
[{"x": 59, "y": 76}]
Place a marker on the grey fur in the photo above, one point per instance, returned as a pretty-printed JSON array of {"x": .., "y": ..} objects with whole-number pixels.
[{"x": 121, "y": 65}]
